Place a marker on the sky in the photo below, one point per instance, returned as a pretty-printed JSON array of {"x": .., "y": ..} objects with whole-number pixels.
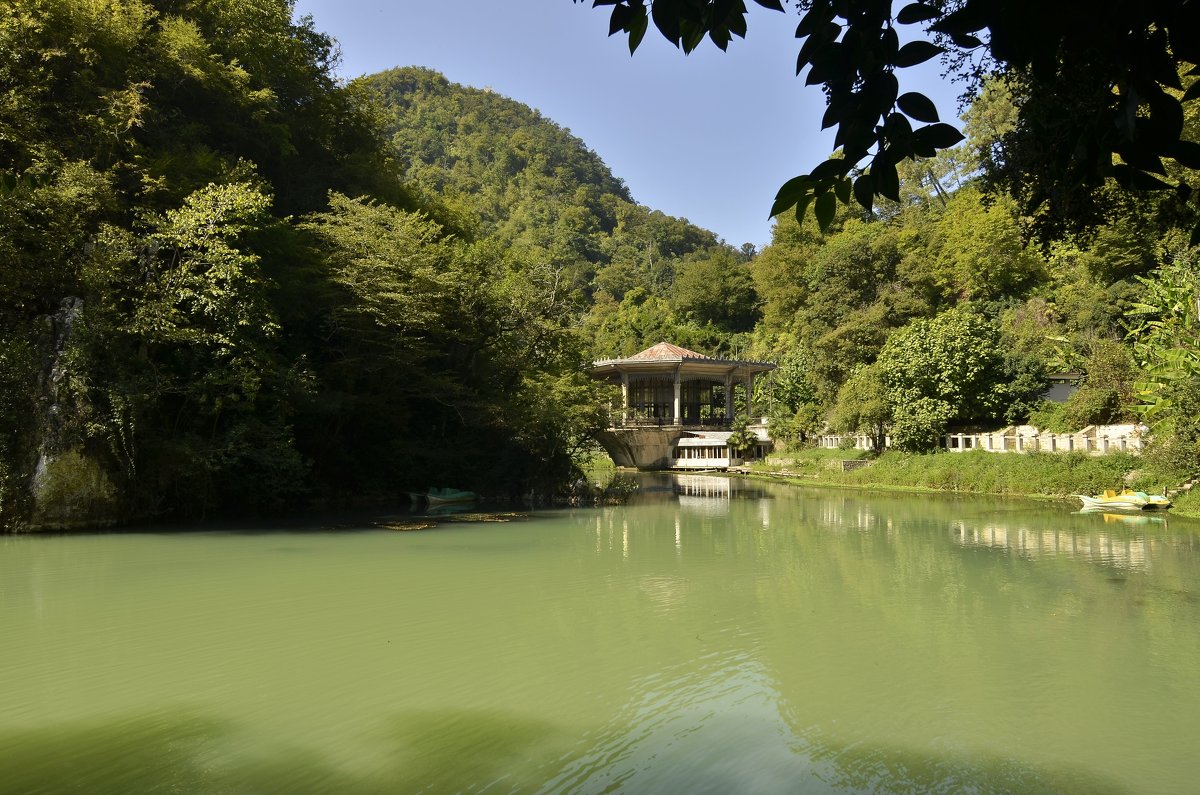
[{"x": 709, "y": 137}]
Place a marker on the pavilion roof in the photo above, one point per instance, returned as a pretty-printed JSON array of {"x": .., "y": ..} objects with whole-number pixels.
[{"x": 666, "y": 353}]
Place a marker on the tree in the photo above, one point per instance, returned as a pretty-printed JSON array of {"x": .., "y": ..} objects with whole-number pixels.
[
  {"x": 741, "y": 439},
  {"x": 944, "y": 369},
  {"x": 714, "y": 287},
  {"x": 864, "y": 403},
  {"x": 981, "y": 255},
  {"x": 1165, "y": 329},
  {"x": 1096, "y": 80}
]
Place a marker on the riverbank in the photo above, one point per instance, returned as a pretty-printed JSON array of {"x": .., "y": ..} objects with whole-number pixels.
[{"x": 1036, "y": 475}]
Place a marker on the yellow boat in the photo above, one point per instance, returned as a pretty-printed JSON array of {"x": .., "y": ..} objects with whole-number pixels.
[{"x": 1125, "y": 500}]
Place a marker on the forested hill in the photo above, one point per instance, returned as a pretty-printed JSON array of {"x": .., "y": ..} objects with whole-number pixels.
[
  {"x": 504, "y": 171},
  {"x": 516, "y": 172}
]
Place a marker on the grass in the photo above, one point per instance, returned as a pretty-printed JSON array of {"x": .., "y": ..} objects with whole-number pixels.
[{"x": 981, "y": 472}]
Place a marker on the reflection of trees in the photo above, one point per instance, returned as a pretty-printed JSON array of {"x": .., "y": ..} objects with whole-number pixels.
[
  {"x": 801, "y": 640},
  {"x": 906, "y": 655}
]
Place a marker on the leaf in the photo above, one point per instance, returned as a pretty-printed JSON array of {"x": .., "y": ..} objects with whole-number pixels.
[
  {"x": 691, "y": 35},
  {"x": 918, "y": 106},
  {"x": 864, "y": 193},
  {"x": 789, "y": 193},
  {"x": 939, "y": 136},
  {"x": 619, "y": 20},
  {"x": 1130, "y": 177},
  {"x": 1195, "y": 239},
  {"x": 884, "y": 177},
  {"x": 916, "y": 52},
  {"x": 809, "y": 23},
  {"x": 916, "y": 12},
  {"x": 970, "y": 18},
  {"x": 833, "y": 167},
  {"x": 842, "y": 188},
  {"x": 825, "y": 210},
  {"x": 774, "y": 5},
  {"x": 720, "y": 37},
  {"x": 802, "y": 206},
  {"x": 1192, "y": 92},
  {"x": 637, "y": 29},
  {"x": 966, "y": 40},
  {"x": 666, "y": 19},
  {"x": 1141, "y": 154},
  {"x": 833, "y": 115},
  {"x": 898, "y": 130}
]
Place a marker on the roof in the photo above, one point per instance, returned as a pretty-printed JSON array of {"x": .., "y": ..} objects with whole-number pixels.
[
  {"x": 665, "y": 351},
  {"x": 665, "y": 354}
]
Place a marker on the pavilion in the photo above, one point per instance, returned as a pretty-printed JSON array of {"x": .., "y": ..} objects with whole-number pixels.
[{"x": 677, "y": 406}]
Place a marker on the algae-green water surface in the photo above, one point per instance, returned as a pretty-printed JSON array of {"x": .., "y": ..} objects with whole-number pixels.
[{"x": 714, "y": 635}]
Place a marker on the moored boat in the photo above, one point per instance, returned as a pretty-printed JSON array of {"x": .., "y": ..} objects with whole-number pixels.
[
  {"x": 1125, "y": 500},
  {"x": 450, "y": 496}
]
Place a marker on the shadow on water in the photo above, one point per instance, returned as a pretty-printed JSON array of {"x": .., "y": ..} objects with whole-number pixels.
[
  {"x": 471, "y": 750},
  {"x": 456, "y": 750},
  {"x": 178, "y": 751},
  {"x": 858, "y": 769}
]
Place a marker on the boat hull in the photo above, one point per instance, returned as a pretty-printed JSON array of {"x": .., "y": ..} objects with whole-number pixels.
[{"x": 1129, "y": 501}]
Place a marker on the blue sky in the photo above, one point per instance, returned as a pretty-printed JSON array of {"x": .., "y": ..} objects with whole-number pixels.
[{"x": 708, "y": 137}]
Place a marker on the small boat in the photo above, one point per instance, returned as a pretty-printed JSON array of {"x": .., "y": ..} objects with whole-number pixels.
[
  {"x": 1125, "y": 500},
  {"x": 449, "y": 496}
]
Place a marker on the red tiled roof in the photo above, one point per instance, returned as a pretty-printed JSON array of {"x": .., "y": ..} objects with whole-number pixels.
[{"x": 665, "y": 351}]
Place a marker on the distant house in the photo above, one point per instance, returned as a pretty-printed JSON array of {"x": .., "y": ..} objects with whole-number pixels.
[
  {"x": 676, "y": 408},
  {"x": 1062, "y": 386}
]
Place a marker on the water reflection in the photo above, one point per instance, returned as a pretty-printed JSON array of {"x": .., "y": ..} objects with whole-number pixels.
[
  {"x": 714, "y": 635},
  {"x": 1110, "y": 549},
  {"x": 1125, "y": 541}
]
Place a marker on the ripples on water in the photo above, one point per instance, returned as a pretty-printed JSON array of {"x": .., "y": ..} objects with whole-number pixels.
[{"x": 713, "y": 636}]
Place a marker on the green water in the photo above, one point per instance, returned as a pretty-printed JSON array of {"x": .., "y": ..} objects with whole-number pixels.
[{"x": 737, "y": 637}]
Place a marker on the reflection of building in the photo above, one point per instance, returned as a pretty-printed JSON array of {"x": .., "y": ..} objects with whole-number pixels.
[
  {"x": 677, "y": 406},
  {"x": 703, "y": 486},
  {"x": 1113, "y": 550}
]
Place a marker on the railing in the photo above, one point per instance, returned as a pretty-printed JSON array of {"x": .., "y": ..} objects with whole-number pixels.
[
  {"x": 1092, "y": 440},
  {"x": 633, "y": 418}
]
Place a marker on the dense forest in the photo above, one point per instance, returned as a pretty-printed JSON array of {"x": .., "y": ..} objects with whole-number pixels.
[{"x": 234, "y": 283}]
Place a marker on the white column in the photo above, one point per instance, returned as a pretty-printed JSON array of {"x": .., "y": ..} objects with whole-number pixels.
[{"x": 678, "y": 417}]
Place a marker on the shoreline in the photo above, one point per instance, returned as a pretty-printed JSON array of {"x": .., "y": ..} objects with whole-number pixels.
[{"x": 806, "y": 479}]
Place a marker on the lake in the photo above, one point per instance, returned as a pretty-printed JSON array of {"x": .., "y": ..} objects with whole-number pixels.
[{"x": 714, "y": 635}]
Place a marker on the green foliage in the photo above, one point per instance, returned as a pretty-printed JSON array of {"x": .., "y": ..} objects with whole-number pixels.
[
  {"x": 981, "y": 472},
  {"x": 715, "y": 288},
  {"x": 981, "y": 255},
  {"x": 864, "y": 404},
  {"x": 1092, "y": 85},
  {"x": 180, "y": 347},
  {"x": 741, "y": 439},
  {"x": 948, "y": 368},
  {"x": 920, "y": 423},
  {"x": 1049, "y": 416},
  {"x": 232, "y": 282},
  {"x": 1106, "y": 394},
  {"x": 224, "y": 328},
  {"x": 1165, "y": 330}
]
